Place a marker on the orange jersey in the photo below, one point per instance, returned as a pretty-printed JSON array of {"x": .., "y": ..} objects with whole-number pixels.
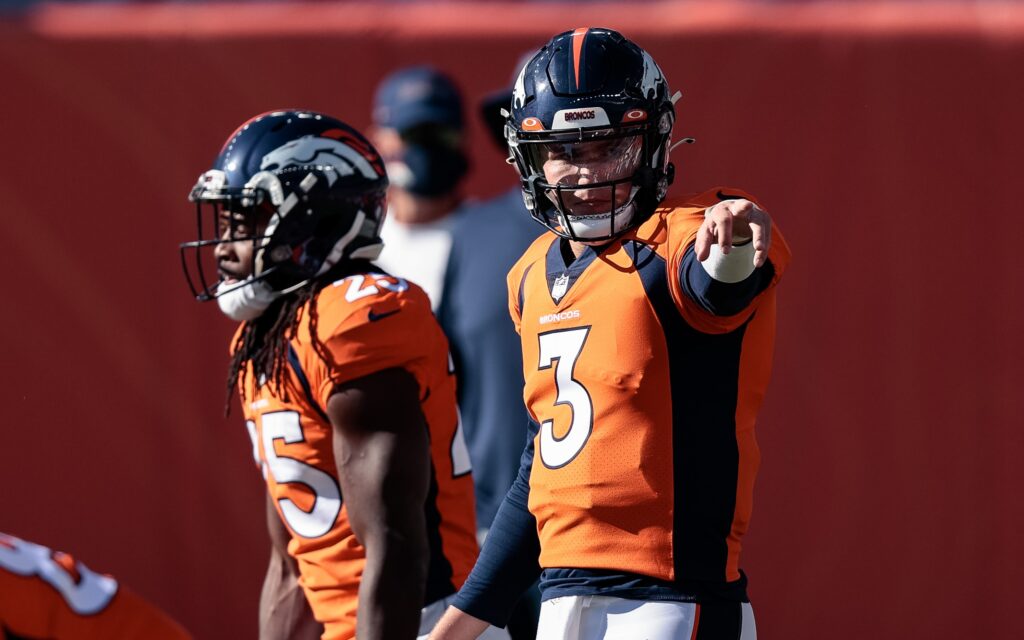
[
  {"x": 645, "y": 458},
  {"x": 46, "y": 594},
  {"x": 367, "y": 322}
]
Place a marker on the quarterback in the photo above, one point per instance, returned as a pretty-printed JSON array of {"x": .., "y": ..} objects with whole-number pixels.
[
  {"x": 345, "y": 383},
  {"x": 647, "y": 326}
]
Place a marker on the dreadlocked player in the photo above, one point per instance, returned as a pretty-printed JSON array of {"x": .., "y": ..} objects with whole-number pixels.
[{"x": 344, "y": 380}]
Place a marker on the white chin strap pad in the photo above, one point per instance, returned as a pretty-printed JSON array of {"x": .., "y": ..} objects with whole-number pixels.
[
  {"x": 600, "y": 225},
  {"x": 245, "y": 301}
]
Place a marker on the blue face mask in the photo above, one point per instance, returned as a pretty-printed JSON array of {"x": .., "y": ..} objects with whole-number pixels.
[{"x": 428, "y": 170}]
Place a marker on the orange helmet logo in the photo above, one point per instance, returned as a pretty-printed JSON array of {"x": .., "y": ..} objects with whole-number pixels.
[{"x": 532, "y": 124}]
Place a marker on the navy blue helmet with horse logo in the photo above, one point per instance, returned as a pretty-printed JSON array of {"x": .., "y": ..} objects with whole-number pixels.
[{"x": 317, "y": 182}]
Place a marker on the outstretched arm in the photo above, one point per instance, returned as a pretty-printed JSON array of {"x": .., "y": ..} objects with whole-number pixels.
[
  {"x": 284, "y": 610},
  {"x": 727, "y": 266},
  {"x": 382, "y": 451}
]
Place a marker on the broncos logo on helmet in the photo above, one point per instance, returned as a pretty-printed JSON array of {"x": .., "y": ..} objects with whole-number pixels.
[{"x": 333, "y": 157}]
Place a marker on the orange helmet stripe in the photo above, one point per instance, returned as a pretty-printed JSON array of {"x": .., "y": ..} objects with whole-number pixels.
[{"x": 578, "y": 36}]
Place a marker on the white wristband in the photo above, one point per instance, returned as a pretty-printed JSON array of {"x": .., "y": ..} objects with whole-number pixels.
[{"x": 736, "y": 266}]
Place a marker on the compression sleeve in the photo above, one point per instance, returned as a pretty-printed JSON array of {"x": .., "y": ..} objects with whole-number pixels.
[
  {"x": 508, "y": 563},
  {"x": 721, "y": 298}
]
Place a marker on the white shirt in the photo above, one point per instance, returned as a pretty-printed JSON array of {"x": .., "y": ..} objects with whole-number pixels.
[{"x": 418, "y": 252}]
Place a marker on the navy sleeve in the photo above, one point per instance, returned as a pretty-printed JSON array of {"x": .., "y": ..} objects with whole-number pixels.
[
  {"x": 721, "y": 298},
  {"x": 509, "y": 562}
]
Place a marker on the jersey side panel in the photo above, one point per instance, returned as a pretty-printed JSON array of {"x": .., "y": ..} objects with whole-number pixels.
[
  {"x": 703, "y": 372},
  {"x": 754, "y": 375}
]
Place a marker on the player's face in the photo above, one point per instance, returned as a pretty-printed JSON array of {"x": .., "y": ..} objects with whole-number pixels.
[
  {"x": 239, "y": 229},
  {"x": 585, "y": 163}
]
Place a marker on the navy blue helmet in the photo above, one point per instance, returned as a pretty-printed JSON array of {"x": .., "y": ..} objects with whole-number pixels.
[
  {"x": 589, "y": 131},
  {"x": 318, "y": 184}
]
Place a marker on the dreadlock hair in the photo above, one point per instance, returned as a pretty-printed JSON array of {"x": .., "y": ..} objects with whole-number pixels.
[{"x": 266, "y": 340}]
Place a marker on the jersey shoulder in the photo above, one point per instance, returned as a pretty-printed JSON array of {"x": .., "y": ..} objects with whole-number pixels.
[
  {"x": 368, "y": 322},
  {"x": 367, "y": 298},
  {"x": 674, "y": 224},
  {"x": 536, "y": 252}
]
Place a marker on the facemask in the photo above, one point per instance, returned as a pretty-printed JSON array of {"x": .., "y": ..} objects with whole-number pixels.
[
  {"x": 245, "y": 301},
  {"x": 427, "y": 171},
  {"x": 599, "y": 226}
]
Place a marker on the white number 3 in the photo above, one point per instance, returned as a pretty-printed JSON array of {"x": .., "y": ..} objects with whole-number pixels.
[
  {"x": 565, "y": 346},
  {"x": 90, "y": 593}
]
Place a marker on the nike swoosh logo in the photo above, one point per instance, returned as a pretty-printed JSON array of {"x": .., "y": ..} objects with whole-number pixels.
[
  {"x": 726, "y": 196},
  {"x": 374, "y": 317}
]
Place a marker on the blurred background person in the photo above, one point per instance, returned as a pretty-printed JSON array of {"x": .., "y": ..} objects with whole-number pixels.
[
  {"x": 485, "y": 346},
  {"x": 418, "y": 128}
]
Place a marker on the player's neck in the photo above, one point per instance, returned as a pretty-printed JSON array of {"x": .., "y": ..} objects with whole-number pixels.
[{"x": 576, "y": 249}]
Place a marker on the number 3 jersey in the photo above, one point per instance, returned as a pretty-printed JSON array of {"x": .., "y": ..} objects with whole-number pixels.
[
  {"x": 366, "y": 322},
  {"x": 645, "y": 456}
]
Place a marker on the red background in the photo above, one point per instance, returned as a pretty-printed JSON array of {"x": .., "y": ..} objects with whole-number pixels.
[{"x": 885, "y": 139}]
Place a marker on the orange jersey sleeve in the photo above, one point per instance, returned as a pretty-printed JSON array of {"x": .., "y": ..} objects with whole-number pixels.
[
  {"x": 47, "y": 594},
  {"x": 372, "y": 322},
  {"x": 673, "y": 228}
]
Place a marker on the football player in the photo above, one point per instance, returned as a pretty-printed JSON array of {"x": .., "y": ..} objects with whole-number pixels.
[
  {"x": 345, "y": 383},
  {"x": 48, "y": 594},
  {"x": 647, "y": 327}
]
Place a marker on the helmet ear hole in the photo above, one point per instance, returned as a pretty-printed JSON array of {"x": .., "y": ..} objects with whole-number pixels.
[
  {"x": 280, "y": 253},
  {"x": 324, "y": 227}
]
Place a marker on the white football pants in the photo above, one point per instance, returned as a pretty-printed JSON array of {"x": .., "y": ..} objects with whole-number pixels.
[{"x": 607, "y": 618}]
